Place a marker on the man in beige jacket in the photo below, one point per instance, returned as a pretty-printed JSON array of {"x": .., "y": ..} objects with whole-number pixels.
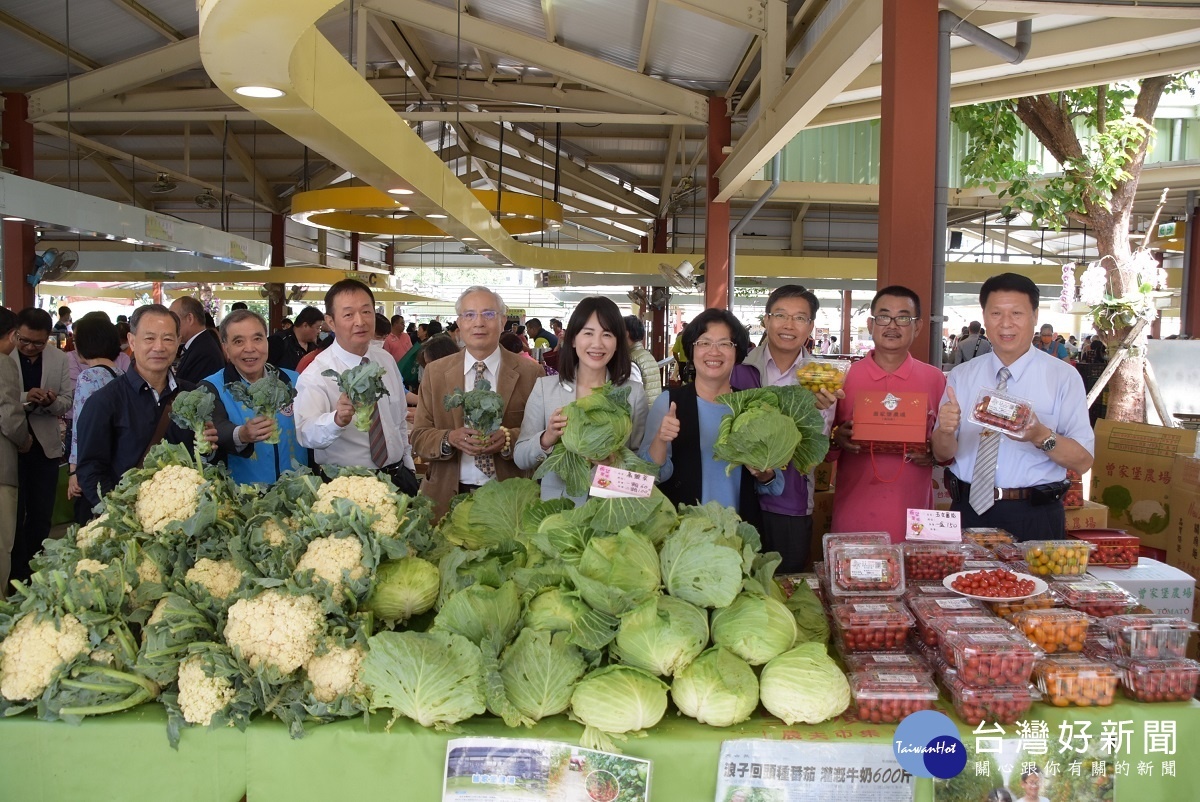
[
  {"x": 457, "y": 461},
  {"x": 14, "y": 438}
]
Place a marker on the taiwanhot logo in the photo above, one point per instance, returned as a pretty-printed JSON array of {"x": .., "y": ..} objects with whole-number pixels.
[{"x": 926, "y": 744}]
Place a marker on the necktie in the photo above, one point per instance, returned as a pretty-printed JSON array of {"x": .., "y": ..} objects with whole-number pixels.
[
  {"x": 379, "y": 452},
  {"x": 484, "y": 462},
  {"x": 983, "y": 482}
]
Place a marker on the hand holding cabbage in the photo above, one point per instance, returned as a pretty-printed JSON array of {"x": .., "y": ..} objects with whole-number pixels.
[
  {"x": 770, "y": 428},
  {"x": 265, "y": 397},
  {"x": 363, "y": 384}
]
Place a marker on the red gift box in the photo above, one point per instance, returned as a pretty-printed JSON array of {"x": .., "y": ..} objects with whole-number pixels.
[{"x": 892, "y": 423}]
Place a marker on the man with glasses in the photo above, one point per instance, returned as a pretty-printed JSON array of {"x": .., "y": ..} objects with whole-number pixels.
[
  {"x": 789, "y": 319},
  {"x": 47, "y": 394},
  {"x": 461, "y": 459},
  {"x": 875, "y": 490},
  {"x": 124, "y": 418}
]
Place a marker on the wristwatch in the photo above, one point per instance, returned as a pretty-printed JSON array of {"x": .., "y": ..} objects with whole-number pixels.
[
  {"x": 1049, "y": 443},
  {"x": 446, "y": 444}
]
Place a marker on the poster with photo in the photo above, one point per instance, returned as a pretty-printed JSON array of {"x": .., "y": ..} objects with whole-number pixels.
[
  {"x": 1000, "y": 770},
  {"x": 525, "y": 770}
]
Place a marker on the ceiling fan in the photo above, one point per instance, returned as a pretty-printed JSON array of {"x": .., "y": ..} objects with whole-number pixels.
[
  {"x": 681, "y": 277},
  {"x": 163, "y": 185},
  {"x": 207, "y": 200},
  {"x": 52, "y": 264}
]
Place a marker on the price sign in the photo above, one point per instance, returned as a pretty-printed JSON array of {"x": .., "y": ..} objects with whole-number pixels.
[
  {"x": 944, "y": 525},
  {"x": 844, "y": 772},
  {"x": 610, "y": 482}
]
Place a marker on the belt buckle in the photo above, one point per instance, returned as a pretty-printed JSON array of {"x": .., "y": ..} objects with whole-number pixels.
[{"x": 999, "y": 494}]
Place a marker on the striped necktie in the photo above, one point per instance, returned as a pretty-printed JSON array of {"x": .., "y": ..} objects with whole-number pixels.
[
  {"x": 983, "y": 481},
  {"x": 484, "y": 462},
  {"x": 379, "y": 451}
]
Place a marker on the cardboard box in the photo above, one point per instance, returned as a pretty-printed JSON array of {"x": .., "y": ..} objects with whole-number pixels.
[
  {"x": 1090, "y": 516},
  {"x": 822, "y": 516},
  {"x": 1183, "y": 543},
  {"x": 1160, "y": 587},
  {"x": 941, "y": 495},
  {"x": 1132, "y": 476},
  {"x": 823, "y": 476}
]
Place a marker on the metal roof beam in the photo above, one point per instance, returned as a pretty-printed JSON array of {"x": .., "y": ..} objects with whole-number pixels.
[
  {"x": 1129, "y": 10},
  {"x": 245, "y": 162},
  {"x": 120, "y": 181},
  {"x": 46, "y": 41},
  {"x": 668, "y": 173},
  {"x": 560, "y": 60},
  {"x": 550, "y": 23},
  {"x": 117, "y": 78},
  {"x": 851, "y": 41},
  {"x": 150, "y": 19},
  {"x": 647, "y": 33},
  {"x": 389, "y": 34},
  {"x": 749, "y": 15}
]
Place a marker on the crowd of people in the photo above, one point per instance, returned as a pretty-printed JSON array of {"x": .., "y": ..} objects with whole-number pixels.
[{"x": 119, "y": 399}]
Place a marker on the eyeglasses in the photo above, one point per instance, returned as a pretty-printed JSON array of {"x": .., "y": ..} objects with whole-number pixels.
[
  {"x": 487, "y": 314},
  {"x": 35, "y": 344},
  {"x": 780, "y": 317},
  {"x": 899, "y": 320},
  {"x": 710, "y": 345}
]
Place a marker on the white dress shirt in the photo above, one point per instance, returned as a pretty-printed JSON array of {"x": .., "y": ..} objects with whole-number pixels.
[
  {"x": 1059, "y": 401},
  {"x": 468, "y": 472},
  {"x": 316, "y": 402}
]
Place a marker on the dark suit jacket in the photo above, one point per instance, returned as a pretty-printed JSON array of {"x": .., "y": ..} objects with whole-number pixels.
[
  {"x": 433, "y": 420},
  {"x": 201, "y": 359}
]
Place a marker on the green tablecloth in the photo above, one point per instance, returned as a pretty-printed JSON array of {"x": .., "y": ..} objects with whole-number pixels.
[{"x": 126, "y": 756}]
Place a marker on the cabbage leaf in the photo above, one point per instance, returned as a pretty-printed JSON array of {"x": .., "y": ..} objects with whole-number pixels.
[{"x": 433, "y": 678}]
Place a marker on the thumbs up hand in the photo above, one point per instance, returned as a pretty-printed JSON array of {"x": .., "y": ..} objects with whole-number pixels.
[
  {"x": 950, "y": 414},
  {"x": 668, "y": 430}
]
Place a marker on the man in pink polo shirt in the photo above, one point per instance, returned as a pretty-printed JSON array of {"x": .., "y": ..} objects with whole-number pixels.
[{"x": 873, "y": 491}]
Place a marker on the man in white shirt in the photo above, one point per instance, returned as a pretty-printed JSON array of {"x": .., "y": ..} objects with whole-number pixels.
[
  {"x": 324, "y": 413},
  {"x": 458, "y": 461}
]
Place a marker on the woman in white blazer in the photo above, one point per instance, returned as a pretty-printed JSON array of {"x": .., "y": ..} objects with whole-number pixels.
[{"x": 594, "y": 351}]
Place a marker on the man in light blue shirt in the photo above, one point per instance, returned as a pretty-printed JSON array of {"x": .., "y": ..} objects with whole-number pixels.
[{"x": 1013, "y": 481}]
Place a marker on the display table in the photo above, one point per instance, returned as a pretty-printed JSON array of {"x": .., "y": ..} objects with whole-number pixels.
[{"x": 126, "y": 756}]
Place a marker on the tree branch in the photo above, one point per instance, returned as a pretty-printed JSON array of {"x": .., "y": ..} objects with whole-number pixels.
[
  {"x": 1051, "y": 124},
  {"x": 1143, "y": 109}
]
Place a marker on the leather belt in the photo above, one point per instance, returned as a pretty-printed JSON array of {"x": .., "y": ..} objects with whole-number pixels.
[{"x": 1002, "y": 493}]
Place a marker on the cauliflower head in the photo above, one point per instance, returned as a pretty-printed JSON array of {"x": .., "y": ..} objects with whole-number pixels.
[
  {"x": 273, "y": 533},
  {"x": 330, "y": 557},
  {"x": 157, "y": 614},
  {"x": 172, "y": 494},
  {"x": 336, "y": 672},
  {"x": 372, "y": 495},
  {"x": 148, "y": 570},
  {"x": 200, "y": 696},
  {"x": 221, "y": 578},
  {"x": 93, "y": 533},
  {"x": 86, "y": 566},
  {"x": 34, "y": 651},
  {"x": 275, "y": 629}
]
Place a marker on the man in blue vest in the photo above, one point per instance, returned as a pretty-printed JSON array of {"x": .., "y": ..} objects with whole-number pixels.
[{"x": 241, "y": 433}]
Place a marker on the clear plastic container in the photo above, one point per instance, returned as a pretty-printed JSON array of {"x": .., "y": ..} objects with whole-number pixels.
[
  {"x": 1042, "y": 601},
  {"x": 986, "y": 565},
  {"x": 996, "y": 704},
  {"x": 872, "y": 626},
  {"x": 831, "y": 539},
  {"x": 1074, "y": 679},
  {"x": 934, "y": 560},
  {"x": 988, "y": 537},
  {"x": 1059, "y": 558},
  {"x": 1073, "y": 498},
  {"x": 993, "y": 658},
  {"x": 865, "y": 570},
  {"x": 1098, "y": 648},
  {"x": 860, "y": 662},
  {"x": 1001, "y": 412},
  {"x": 1160, "y": 680},
  {"x": 1097, "y": 599},
  {"x": 886, "y": 697},
  {"x": 931, "y": 609},
  {"x": 976, "y": 624},
  {"x": 1054, "y": 631},
  {"x": 1009, "y": 552},
  {"x": 1114, "y": 548},
  {"x": 822, "y": 374},
  {"x": 1149, "y": 637},
  {"x": 926, "y": 590}
]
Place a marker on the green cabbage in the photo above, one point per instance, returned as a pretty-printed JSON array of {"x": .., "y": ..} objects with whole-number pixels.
[
  {"x": 491, "y": 516},
  {"x": 755, "y": 628},
  {"x": 598, "y": 428},
  {"x": 810, "y": 615},
  {"x": 561, "y": 610},
  {"x": 699, "y": 570},
  {"x": 617, "y": 572},
  {"x": 480, "y": 612},
  {"x": 718, "y": 689},
  {"x": 661, "y": 635},
  {"x": 434, "y": 678},
  {"x": 616, "y": 700},
  {"x": 804, "y": 684},
  {"x": 403, "y": 588},
  {"x": 771, "y": 427},
  {"x": 539, "y": 671}
]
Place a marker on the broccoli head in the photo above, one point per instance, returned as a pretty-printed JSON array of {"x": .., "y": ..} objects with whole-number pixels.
[
  {"x": 266, "y": 397},
  {"x": 192, "y": 409},
  {"x": 364, "y": 385}
]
